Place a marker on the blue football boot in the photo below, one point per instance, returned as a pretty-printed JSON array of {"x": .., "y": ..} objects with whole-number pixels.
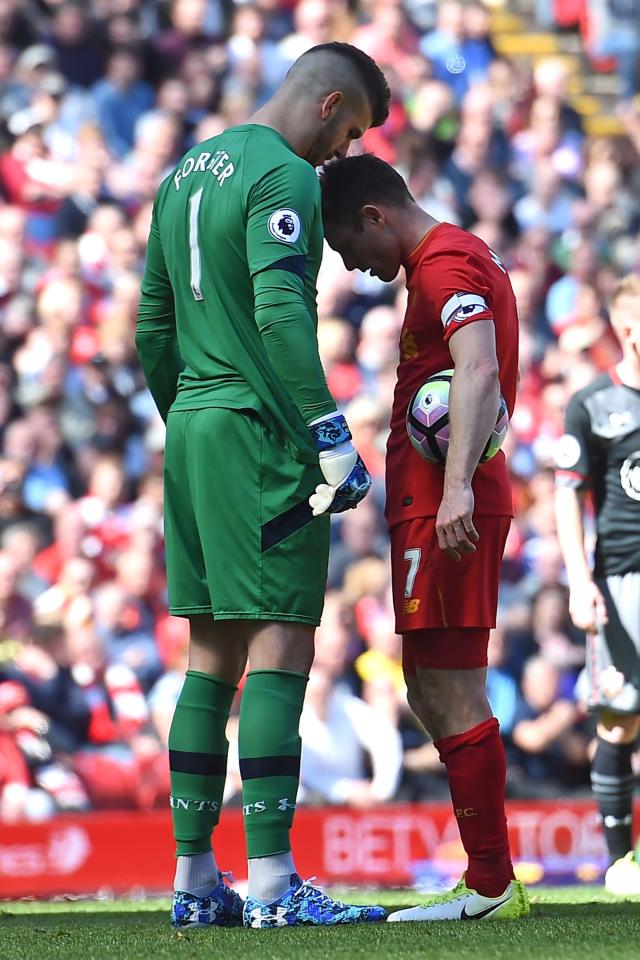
[
  {"x": 306, "y": 905},
  {"x": 221, "y": 908}
]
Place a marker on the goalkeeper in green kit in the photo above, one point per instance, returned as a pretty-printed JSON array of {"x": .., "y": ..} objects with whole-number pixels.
[{"x": 256, "y": 459}]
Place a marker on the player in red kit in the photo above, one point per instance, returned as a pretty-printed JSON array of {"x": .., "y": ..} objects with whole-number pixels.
[{"x": 448, "y": 526}]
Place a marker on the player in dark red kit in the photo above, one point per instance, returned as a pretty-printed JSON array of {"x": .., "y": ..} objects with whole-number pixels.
[{"x": 448, "y": 527}]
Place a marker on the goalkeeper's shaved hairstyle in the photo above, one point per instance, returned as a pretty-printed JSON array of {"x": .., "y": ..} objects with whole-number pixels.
[
  {"x": 350, "y": 184},
  {"x": 338, "y": 65}
]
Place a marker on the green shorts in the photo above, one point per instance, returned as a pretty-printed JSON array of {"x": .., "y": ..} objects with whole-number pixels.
[{"x": 241, "y": 542}]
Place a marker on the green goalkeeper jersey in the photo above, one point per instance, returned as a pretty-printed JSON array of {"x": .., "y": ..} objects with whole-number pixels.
[{"x": 227, "y": 316}]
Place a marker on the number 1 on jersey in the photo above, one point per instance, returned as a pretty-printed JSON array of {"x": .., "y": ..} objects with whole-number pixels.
[{"x": 196, "y": 265}]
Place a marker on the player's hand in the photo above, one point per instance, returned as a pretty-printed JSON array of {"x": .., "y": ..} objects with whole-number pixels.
[
  {"x": 347, "y": 478},
  {"x": 454, "y": 523},
  {"x": 587, "y": 607},
  {"x": 335, "y": 498}
]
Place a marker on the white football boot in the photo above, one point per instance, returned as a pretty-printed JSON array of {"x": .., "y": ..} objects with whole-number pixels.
[
  {"x": 623, "y": 877},
  {"x": 462, "y": 903}
]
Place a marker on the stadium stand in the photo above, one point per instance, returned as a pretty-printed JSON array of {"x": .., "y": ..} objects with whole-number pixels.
[{"x": 512, "y": 120}]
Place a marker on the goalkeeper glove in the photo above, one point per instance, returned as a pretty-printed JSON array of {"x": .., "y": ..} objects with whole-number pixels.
[{"x": 347, "y": 478}]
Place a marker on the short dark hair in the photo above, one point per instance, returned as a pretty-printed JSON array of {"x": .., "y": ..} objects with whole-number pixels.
[
  {"x": 349, "y": 184},
  {"x": 369, "y": 73}
]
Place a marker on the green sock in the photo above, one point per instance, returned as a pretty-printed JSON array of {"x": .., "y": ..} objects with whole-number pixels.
[
  {"x": 270, "y": 747},
  {"x": 198, "y": 750}
]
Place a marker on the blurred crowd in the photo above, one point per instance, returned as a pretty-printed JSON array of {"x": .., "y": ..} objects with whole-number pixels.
[{"x": 97, "y": 101}]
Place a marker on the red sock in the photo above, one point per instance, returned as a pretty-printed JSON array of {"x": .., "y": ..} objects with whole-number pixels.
[{"x": 476, "y": 767}]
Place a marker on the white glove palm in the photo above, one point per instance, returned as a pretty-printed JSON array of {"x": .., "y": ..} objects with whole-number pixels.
[{"x": 347, "y": 478}]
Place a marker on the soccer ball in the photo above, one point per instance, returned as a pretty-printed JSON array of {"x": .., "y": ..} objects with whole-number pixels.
[{"x": 428, "y": 421}]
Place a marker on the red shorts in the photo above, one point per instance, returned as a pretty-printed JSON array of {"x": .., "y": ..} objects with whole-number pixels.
[{"x": 432, "y": 592}]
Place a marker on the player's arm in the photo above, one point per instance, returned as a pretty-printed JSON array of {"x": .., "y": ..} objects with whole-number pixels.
[
  {"x": 459, "y": 293},
  {"x": 290, "y": 340},
  {"x": 586, "y": 603},
  {"x": 156, "y": 338},
  {"x": 282, "y": 213},
  {"x": 473, "y": 404}
]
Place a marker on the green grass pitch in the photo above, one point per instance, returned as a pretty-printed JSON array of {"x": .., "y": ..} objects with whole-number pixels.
[{"x": 565, "y": 924}]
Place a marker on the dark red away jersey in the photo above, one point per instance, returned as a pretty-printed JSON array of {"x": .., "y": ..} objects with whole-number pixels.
[{"x": 453, "y": 279}]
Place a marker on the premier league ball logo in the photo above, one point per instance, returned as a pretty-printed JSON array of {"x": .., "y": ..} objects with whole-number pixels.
[{"x": 428, "y": 418}]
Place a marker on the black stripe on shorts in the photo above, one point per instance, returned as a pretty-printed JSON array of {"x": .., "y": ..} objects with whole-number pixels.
[
  {"x": 253, "y": 768},
  {"x": 282, "y": 526}
]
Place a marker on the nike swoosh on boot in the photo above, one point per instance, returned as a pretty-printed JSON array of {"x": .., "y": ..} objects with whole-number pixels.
[{"x": 481, "y": 913}]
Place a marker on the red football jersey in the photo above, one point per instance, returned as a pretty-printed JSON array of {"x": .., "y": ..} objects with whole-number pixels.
[{"x": 453, "y": 279}]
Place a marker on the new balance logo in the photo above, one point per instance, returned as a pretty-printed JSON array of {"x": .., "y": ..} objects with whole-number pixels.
[
  {"x": 411, "y": 605},
  {"x": 183, "y": 803}
]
